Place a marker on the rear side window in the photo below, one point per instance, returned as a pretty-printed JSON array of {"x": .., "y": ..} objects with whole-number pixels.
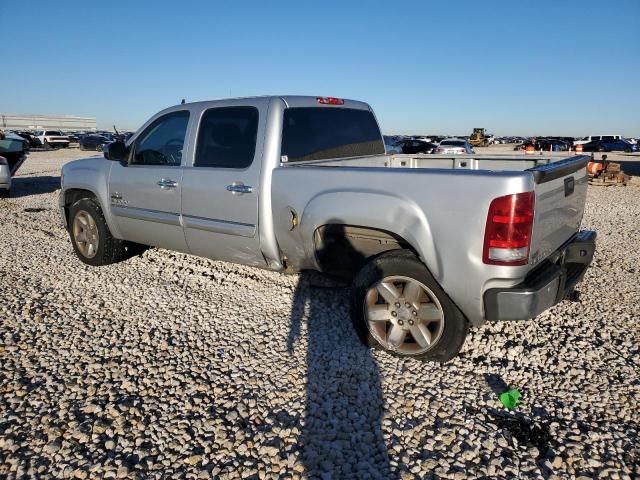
[
  {"x": 53, "y": 133},
  {"x": 320, "y": 133},
  {"x": 227, "y": 137},
  {"x": 608, "y": 138}
]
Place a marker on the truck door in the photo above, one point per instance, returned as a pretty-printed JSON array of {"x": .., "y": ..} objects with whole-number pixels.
[
  {"x": 220, "y": 189},
  {"x": 145, "y": 191}
]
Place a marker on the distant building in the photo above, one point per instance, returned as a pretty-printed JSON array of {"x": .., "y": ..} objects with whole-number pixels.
[{"x": 12, "y": 121}]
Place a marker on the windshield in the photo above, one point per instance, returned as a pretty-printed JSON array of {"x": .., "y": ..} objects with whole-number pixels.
[
  {"x": 453, "y": 143},
  {"x": 53, "y": 132},
  {"x": 317, "y": 133}
]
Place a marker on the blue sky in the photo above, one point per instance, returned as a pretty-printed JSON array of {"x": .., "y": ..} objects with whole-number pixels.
[{"x": 514, "y": 67}]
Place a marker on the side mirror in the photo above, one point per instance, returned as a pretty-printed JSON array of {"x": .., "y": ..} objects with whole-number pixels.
[{"x": 115, "y": 151}]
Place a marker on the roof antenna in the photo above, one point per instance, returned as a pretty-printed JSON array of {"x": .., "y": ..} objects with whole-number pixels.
[{"x": 182, "y": 102}]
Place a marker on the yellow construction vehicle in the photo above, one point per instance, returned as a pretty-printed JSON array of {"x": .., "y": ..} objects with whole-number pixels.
[{"x": 478, "y": 138}]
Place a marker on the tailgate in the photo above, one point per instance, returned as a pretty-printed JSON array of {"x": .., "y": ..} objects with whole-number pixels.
[{"x": 561, "y": 190}]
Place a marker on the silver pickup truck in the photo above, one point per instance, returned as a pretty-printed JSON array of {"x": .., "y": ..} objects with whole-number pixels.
[{"x": 432, "y": 243}]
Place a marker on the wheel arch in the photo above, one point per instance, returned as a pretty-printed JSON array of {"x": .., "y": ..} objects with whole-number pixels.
[
  {"x": 366, "y": 218},
  {"x": 72, "y": 195}
]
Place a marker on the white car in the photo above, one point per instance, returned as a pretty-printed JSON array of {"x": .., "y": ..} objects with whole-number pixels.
[
  {"x": 458, "y": 146},
  {"x": 593, "y": 138},
  {"x": 52, "y": 139}
]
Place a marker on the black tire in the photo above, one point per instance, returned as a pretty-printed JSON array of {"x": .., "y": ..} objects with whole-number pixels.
[
  {"x": 110, "y": 249},
  {"x": 627, "y": 150},
  {"x": 47, "y": 145},
  {"x": 4, "y": 192},
  {"x": 404, "y": 263}
]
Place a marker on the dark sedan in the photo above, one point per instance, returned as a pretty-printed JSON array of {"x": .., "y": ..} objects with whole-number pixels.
[
  {"x": 610, "y": 146},
  {"x": 552, "y": 145},
  {"x": 92, "y": 142},
  {"x": 417, "y": 146}
]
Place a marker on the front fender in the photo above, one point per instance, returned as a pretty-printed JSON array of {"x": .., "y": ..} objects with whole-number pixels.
[
  {"x": 92, "y": 175},
  {"x": 380, "y": 210}
]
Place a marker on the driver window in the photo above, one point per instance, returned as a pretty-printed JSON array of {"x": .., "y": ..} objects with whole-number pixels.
[{"x": 162, "y": 142}]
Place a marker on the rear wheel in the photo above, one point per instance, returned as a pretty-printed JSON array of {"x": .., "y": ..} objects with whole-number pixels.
[
  {"x": 398, "y": 306},
  {"x": 4, "y": 193},
  {"x": 90, "y": 236}
]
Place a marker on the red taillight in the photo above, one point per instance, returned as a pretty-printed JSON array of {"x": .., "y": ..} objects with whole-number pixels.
[
  {"x": 330, "y": 100},
  {"x": 507, "y": 236}
]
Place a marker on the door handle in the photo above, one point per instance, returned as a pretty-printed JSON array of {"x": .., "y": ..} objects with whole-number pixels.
[
  {"x": 166, "y": 183},
  {"x": 239, "y": 188}
]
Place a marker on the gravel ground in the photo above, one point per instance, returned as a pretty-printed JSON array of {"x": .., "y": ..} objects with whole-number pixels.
[{"x": 168, "y": 365}]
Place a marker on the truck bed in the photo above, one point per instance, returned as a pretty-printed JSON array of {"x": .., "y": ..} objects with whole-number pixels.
[
  {"x": 512, "y": 163},
  {"x": 440, "y": 208}
]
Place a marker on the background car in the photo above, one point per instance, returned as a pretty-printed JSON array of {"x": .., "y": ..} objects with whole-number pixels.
[
  {"x": 417, "y": 146},
  {"x": 552, "y": 144},
  {"x": 93, "y": 142},
  {"x": 34, "y": 142},
  {"x": 52, "y": 139},
  {"x": 610, "y": 146},
  {"x": 13, "y": 154},
  {"x": 5, "y": 177},
  {"x": 26, "y": 145},
  {"x": 456, "y": 146}
]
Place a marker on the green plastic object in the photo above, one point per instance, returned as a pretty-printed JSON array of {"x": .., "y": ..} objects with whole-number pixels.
[{"x": 510, "y": 398}]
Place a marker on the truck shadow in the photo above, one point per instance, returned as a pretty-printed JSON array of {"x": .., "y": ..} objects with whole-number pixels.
[
  {"x": 26, "y": 186},
  {"x": 341, "y": 434}
]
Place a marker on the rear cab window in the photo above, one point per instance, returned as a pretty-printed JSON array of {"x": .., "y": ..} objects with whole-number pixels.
[{"x": 317, "y": 133}]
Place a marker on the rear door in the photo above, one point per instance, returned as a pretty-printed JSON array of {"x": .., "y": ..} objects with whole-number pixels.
[
  {"x": 221, "y": 184},
  {"x": 145, "y": 191}
]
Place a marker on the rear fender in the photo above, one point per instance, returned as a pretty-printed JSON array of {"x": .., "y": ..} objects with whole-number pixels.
[{"x": 381, "y": 211}]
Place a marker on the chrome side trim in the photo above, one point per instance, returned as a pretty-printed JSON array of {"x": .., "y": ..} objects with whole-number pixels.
[
  {"x": 148, "y": 215},
  {"x": 219, "y": 226}
]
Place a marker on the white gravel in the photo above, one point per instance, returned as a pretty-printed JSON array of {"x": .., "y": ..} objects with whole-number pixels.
[{"x": 169, "y": 365}]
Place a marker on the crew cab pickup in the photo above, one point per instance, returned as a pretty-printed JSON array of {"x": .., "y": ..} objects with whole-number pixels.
[{"x": 432, "y": 243}]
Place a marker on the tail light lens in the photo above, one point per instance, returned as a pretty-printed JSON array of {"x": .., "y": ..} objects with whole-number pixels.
[
  {"x": 507, "y": 236},
  {"x": 330, "y": 101}
]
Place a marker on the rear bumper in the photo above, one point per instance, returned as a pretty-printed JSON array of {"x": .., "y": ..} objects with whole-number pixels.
[{"x": 545, "y": 286}]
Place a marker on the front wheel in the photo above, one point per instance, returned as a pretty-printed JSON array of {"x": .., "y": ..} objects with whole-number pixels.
[
  {"x": 398, "y": 306},
  {"x": 90, "y": 236}
]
